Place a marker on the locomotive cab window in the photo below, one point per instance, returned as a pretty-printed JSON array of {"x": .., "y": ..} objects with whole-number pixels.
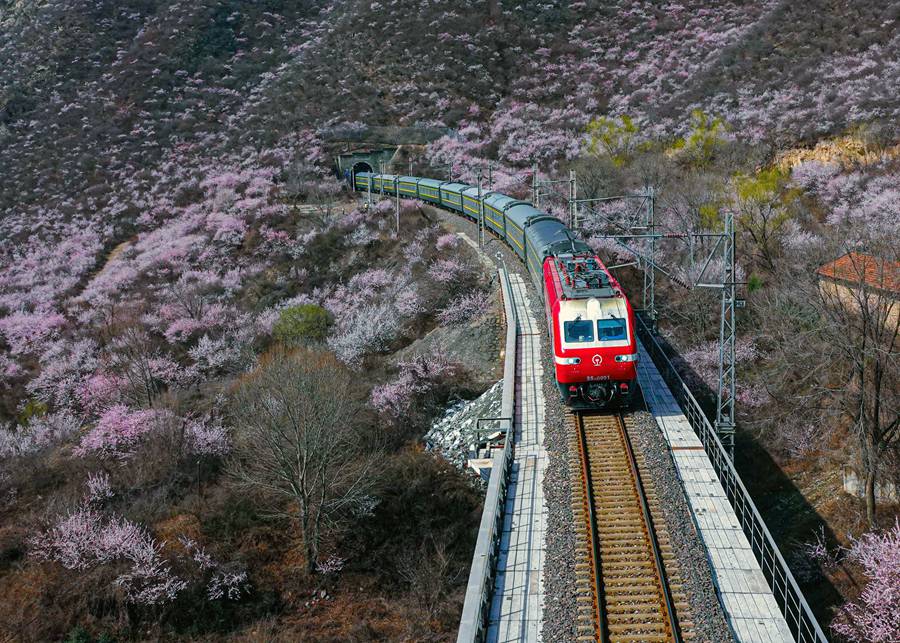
[
  {"x": 579, "y": 330},
  {"x": 611, "y": 329}
]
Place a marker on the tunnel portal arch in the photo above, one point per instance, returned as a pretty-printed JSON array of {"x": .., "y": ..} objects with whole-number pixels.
[
  {"x": 361, "y": 166},
  {"x": 364, "y": 160}
]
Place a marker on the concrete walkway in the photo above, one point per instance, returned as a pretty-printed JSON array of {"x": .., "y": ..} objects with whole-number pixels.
[{"x": 517, "y": 606}]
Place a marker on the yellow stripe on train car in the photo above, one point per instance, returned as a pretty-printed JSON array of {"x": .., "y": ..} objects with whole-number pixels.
[
  {"x": 515, "y": 241},
  {"x": 497, "y": 212},
  {"x": 491, "y": 219}
]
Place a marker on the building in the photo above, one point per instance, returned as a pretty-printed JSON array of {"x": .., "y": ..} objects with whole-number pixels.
[{"x": 880, "y": 277}]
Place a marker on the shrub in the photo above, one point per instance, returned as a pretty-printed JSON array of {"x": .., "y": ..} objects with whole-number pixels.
[
  {"x": 875, "y": 615},
  {"x": 41, "y": 432},
  {"x": 86, "y": 538},
  {"x": 418, "y": 380},
  {"x": 466, "y": 307},
  {"x": 423, "y": 499},
  {"x": 301, "y": 324},
  {"x": 119, "y": 431},
  {"x": 81, "y": 635},
  {"x": 32, "y": 408}
]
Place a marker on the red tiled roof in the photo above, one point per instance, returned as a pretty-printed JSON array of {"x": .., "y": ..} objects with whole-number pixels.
[{"x": 854, "y": 267}]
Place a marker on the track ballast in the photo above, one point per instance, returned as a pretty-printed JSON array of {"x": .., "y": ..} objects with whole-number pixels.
[{"x": 626, "y": 574}]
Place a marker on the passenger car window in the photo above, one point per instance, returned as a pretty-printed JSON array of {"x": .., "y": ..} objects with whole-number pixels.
[
  {"x": 610, "y": 329},
  {"x": 580, "y": 330}
]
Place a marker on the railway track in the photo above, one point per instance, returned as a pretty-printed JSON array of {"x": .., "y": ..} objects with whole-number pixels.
[{"x": 627, "y": 580}]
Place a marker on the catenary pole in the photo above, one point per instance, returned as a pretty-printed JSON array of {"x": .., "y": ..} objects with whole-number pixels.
[
  {"x": 649, "y": 274},
  {"x": 397, "y": 201},
  {"x": 727, "y": 328},
  {"x": 480, "y": 213},
  {"x": 573, "y": 223}
]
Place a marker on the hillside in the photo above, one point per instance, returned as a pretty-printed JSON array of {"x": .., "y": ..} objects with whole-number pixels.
[{"x": 169, "y": 216}]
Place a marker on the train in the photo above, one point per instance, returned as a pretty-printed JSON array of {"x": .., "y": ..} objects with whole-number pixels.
[{"x": 590, "y": 321}]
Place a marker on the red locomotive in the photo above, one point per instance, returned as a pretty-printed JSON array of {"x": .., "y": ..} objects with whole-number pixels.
[{"x": 592, "y": 328}]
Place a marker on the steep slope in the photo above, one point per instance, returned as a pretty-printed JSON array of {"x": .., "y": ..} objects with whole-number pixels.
[{"x": 166, "y": 194}]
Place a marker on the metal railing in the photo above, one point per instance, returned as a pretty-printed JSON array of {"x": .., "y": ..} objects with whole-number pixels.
[
  {"x": 793, "y": 605},
  {"x": 473, "y": 624}
]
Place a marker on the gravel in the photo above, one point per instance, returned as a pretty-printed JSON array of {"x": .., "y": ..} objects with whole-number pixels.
[
  {"x": 709, "y": 621},
  {"x": 454, "y": 433}
]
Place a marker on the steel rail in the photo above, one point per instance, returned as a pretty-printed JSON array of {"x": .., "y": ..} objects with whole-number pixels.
[
  {"x": 665, "y": 603},
  {"x": 651, "y": 535},
  {"x": 600, "y": 613}
]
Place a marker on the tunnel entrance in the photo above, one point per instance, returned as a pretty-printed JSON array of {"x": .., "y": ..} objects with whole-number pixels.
[
  {"x": 366, "y": 159},
  {"x": 362, "y": 166}
]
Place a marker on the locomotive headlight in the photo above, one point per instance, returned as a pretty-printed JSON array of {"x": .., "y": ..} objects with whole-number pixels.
[
  {"x": 568, "y": 361},
  {"x": 627, "y": 358}
]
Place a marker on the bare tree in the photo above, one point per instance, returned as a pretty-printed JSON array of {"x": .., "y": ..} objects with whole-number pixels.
[
  {"x": 134, "y": 357},
  {"x": 862, "y": 322},
  {"x": 597, "y": 177},
  {"x": 297, "y": 436},
  {"x": 191, "y": 295},
  {"x": 430, "y": 573}
]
